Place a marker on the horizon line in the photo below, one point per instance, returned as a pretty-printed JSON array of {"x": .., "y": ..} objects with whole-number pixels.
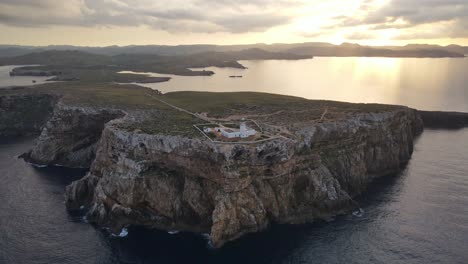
[{"x": 227, "y": 45}]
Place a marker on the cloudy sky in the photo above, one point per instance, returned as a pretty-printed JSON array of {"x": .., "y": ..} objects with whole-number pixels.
[{"x": 125, "y": 22}]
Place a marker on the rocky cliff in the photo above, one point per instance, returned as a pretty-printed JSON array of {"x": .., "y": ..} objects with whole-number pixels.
[
  {"x": 70, "y": 136},
  {"x": 25, "y": 114},
  {"x": 149, "y": 166},
  {"x": 226, "y": 190}
]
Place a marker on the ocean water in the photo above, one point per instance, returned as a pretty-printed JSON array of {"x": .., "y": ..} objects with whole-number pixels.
[
  {"x": 417, "y": 216},
  {"x": 7, "y": 81},
  {"x": 425, "y": 84}
]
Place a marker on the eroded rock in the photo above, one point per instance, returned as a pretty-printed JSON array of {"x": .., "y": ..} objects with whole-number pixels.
[
  {"x": 70, "y": 136},
  {"x": 226, "y": 190}
]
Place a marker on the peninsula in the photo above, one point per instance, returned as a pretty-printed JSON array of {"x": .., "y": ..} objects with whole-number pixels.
[{"x": 150, "y": 166}]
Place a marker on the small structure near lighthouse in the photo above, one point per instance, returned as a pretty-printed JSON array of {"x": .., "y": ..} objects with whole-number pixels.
[
  {"x": 234, "y": 132},
  {"x": 243, "y": 132},
  {"x": 230, "y": 132}
]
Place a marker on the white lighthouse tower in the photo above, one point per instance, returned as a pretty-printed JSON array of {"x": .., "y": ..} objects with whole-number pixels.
[{"x": 245, "y": 131}]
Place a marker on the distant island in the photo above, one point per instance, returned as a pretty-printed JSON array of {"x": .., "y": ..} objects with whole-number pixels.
[{"x": 87, "y": 66}]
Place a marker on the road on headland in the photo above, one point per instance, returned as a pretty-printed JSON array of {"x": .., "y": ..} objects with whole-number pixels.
[
  {"x": 209, "y": 120},
  {"x": 181, "y": 109}
]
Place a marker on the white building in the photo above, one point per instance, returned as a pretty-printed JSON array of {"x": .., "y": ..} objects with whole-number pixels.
[{"x": 243, "y": 132}]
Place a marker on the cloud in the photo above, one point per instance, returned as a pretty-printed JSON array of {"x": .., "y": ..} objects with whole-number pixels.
[
  {"x": 38, "y": 13},
  {"x": 402, "y": 19},
  {"x": 412, "y": 17},
  {"x": 360, "y": 36},
  {"x": 310, "y": 34},
  {"x": 419, "y": 12},
  {"x": 174, "y": 16},
  {"x": 251, "y": 22}
]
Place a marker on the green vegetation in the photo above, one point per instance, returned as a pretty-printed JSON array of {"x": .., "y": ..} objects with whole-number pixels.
[
  {"x": 219, "y": 105},
  {"x": 169, "y": 122},
  {"x": 151, "y": 116},
  {"x": 99, "y": 94},
  {"x": 222, "y": 104}
]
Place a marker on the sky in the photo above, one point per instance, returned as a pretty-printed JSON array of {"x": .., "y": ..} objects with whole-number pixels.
[{"x": 172, "y": 22}]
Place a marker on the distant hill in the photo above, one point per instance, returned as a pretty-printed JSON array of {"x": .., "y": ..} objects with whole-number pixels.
[
  {"x": 57, "y": 57},
  {"x": 354, "y": 50},
  {"x": 251, "y": 54},
  {"x": 310, "y": 48},
  {"x": 452, "y": 48},
  {"x": 76, "y": 57}
]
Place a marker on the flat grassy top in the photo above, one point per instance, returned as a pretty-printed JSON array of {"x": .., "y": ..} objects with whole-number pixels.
[
  {"x": 111, "y": 95},
  {"x": 224, "y": 104},
  {"x": 96, "y": 94},
  {"x": 154, "y": 117},
  {"x": 216, "y": 104},
  {"x": 199, "y": 100},
  {"x": 172, "y": 123},
  {"x": 149, "y": 115}
]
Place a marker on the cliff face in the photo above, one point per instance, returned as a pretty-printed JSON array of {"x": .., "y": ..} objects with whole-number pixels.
[
  {"x": 70, "y": 136},
  {"x": 151, "y": 168},
  {"x": 25, "y": 114},
  {"x": 450, "y": 120},
  {"x": 181, "y": 183}
]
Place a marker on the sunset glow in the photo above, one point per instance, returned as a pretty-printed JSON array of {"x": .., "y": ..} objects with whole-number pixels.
[{"x": 124, "y": 22}]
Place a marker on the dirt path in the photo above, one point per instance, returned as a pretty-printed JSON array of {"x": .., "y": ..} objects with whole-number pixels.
[
  {"x": 181, "y": 109},
  {"x": 204, "y": 117}
]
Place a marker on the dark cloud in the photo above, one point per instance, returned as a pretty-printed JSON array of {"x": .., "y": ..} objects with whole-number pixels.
[
  {"x": 418, "y": 12},
  {"x": 252, "y": 21},
  {"x": 410, "y": 14},
  {"x": 175, "y": 16}
]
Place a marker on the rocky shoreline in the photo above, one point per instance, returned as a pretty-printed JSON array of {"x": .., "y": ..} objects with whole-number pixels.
[
  {"x": 181, "y": 182},
  {"x": 176, "y": 183}
]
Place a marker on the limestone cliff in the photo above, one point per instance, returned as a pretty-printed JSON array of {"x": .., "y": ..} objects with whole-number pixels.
[
  {"x": 149, "y": 166},
  {"x": 25, "y": 114},
  {"x": 191, "y": 184},
  {"x": 70, "y": 136}
]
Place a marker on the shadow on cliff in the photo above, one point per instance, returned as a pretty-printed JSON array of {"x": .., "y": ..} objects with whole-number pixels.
[
  {"x": 279, "y": 244},
  {"x": 150, "y": 246},
  {"x": 60, "y": 175}
]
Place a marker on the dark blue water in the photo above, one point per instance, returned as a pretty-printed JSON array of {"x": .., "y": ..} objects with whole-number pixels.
[{"x": 419, "y": 216}]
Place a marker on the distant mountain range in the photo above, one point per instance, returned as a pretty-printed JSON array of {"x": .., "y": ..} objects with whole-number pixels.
[{"x": 286, "y": 51}]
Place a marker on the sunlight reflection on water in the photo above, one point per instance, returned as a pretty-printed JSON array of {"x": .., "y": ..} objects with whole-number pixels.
[{"x": 428, "y": 84}]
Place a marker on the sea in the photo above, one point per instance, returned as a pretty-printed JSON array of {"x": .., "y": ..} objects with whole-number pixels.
[
  {"x": 417, "y": 216},
  {"x": 7, "y": 81}
]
